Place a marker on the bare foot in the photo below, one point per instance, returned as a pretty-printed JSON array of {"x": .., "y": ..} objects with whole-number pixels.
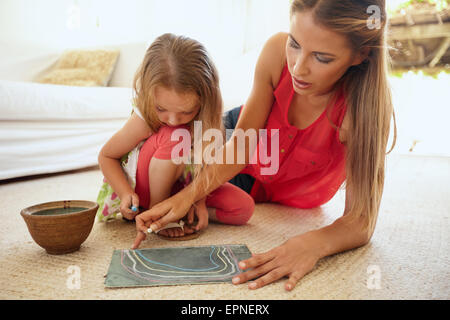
[{"x": 176, "y": 232}]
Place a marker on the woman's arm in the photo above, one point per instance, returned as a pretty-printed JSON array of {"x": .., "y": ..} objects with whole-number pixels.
[
  {"x": 298, "y": 256},
  {"x": 128, "y": 137},
  {"x": 253, "y": 117},
  {"x": 343, "y": 234}
]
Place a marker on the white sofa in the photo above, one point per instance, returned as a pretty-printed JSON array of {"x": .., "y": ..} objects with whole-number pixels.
[{"x": 51, "y": 128}]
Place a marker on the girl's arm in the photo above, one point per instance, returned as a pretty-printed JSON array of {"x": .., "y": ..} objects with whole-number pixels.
[
  {"x": 128, "y": 137},
  {"x": 253, "y": 116}
]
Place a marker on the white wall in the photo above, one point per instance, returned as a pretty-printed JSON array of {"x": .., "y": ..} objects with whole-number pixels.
[
  {"x": 233, "y": 31},
  {"x": 231, "y": 26},
  {"x": 228, "y": 29}
]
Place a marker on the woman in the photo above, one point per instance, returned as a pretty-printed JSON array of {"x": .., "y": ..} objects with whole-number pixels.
[{"x": 324, "y": 86}]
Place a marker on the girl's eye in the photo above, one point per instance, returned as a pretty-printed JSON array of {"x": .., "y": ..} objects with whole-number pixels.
[
  {"x": 159, "y": 109},
  {"x": 188, "y": 113}
]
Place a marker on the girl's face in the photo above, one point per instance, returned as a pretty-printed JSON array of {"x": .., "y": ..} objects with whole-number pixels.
[
  {"x": 316, "y": 55},
  {"x": 175, "y": 108}
]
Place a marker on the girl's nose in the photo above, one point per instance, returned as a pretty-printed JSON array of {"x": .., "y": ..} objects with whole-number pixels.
[{"x": 173, "y": 120}]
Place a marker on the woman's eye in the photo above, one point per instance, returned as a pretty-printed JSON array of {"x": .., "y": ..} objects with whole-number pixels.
[
  {"x": 188, "y": 113},
  {"x": 323, "y": 60},
  {"x": 295, "y": 45},
  {"x": 159, "y": 109}
]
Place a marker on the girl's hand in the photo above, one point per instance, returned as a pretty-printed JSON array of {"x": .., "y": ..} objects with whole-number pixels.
[
  {"x": 294, "y": 259},
  {"x": 126, "y": 202},
  {"x": 199, "y": 209}
]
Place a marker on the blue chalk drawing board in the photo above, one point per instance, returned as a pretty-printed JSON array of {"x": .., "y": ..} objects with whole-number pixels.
[{"x": 175, "y": 266}]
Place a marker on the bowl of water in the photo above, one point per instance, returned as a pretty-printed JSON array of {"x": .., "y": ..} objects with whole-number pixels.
[{"x": 60, "y": 226}]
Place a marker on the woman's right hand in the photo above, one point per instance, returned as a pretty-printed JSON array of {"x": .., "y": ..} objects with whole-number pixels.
[
  {"x": 172, "y": 209},
  {"x": 126, "y": 202}
]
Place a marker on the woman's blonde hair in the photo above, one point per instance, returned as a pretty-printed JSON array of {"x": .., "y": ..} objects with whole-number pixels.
[
  {"x": 184, "y": 65},
  {"x": 368, "y": 97}
]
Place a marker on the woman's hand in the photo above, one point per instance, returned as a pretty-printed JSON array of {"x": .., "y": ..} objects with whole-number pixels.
[
  {"x": 294, "y": 259},
  {"x": 126, "y": 201},
  {"x": 172, "y": 209},
  {"x": 192, "y": 225}
]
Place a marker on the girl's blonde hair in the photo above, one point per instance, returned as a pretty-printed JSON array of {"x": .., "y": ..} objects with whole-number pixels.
[
  {"x": 184, "y": 65},
  {"x": 368, "y": 97}
]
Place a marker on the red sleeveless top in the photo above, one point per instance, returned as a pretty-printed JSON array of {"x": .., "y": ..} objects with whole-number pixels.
[{"x": 311, "y": 165}]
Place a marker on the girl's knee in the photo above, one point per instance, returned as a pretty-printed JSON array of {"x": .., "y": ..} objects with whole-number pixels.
[
  {"x": 248, "y": 207},
  {"x": 240, "y": 214},
  {"x": 247, "y": 211},
  {"x": 156, "y": 165}
]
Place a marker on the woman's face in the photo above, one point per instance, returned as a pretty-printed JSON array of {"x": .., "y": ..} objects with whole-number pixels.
[
  {"x": 175, "y": 108},
  {"x": 316, "y": 55}
]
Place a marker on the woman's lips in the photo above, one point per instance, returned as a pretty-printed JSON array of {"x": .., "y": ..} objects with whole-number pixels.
[{"x": 301, "y": 84}]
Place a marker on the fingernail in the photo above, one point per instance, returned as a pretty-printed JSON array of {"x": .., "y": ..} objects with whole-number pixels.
[
  {"x": 289, "y": 286},
  {"x": 252, "y": 285},
  {"x": 241, "y": 265},
  {"x": 236, "y": 280}
]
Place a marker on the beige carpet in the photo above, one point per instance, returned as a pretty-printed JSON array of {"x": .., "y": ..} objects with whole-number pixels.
[{"x": 410, "y": 247}]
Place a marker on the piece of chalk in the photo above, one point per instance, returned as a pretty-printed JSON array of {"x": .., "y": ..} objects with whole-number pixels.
[
  {"x": 133, "y": 208},
  {"x": 149, "y": 230}
]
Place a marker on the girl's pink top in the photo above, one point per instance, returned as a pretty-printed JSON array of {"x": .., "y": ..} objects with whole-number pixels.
[{"x": 311, "y": 160}]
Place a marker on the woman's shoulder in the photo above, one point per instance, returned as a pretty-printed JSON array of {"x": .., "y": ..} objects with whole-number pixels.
[{"x": 273, "y": 57}]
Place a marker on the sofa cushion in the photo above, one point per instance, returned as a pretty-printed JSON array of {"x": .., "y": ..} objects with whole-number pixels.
[
  {"x": 27, "y": 101},
  {"x": 83, "y": 68}
]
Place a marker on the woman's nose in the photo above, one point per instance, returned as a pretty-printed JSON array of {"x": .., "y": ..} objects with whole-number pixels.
[{"x": 301, "y": 65}]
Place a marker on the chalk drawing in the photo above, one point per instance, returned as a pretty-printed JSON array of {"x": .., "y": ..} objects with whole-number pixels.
[{"x": 175, "y": 266}]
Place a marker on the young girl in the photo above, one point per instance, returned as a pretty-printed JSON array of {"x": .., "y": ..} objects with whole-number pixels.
[
  {"x": 324, "y": 86},
  {"x": 176, "y": 84}
]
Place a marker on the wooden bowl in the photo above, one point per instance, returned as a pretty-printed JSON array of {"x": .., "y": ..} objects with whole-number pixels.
[{"x": 60, "y": 226}]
